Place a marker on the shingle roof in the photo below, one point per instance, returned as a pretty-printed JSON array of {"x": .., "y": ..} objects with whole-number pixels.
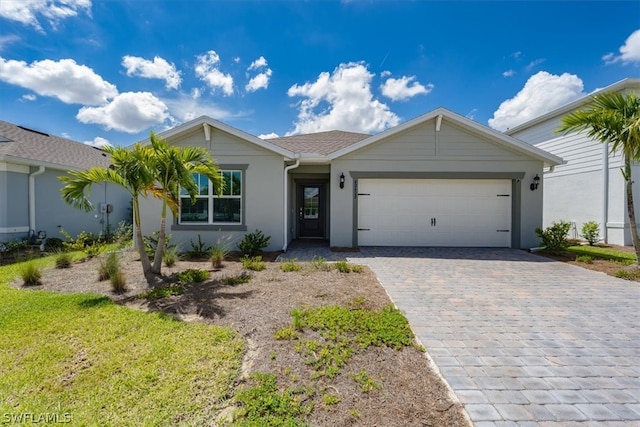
[
  {"x": 34, "y": 147},
  {"x": 320, "y": 143}
]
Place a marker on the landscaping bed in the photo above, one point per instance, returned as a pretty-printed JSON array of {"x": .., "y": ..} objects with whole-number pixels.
[{"x": 377, "y": 385}]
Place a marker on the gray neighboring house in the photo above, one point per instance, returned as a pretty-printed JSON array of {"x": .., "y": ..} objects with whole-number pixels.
[
  {"x": 437, "y": 180},
  {"x": 30, "y": 164},
  {"x": 589, "y": 186}
]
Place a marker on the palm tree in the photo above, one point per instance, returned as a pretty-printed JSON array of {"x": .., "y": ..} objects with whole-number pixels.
[
  {"x": 614, "y": 118},
  {"x": 173, "y": 169},
  {"x": 130, "y": 170}
]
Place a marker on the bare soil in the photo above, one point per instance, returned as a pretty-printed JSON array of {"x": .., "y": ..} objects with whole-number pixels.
[{"x": 412, "y": 393}]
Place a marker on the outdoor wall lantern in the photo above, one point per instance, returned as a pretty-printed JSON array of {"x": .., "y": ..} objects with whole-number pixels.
[
  {"x": 535, "y": 183},
  {"x": 341, "y": 180}
]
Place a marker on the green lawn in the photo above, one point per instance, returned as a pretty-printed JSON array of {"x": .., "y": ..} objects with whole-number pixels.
[
  {"x": 82, "y": 357},
  {"x": 604, "y": 253}
]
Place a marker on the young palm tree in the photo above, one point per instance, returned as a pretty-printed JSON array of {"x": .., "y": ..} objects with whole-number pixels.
[
  {"x": 173, "y": 169},
  {"x": 614, "y": 118},
  {"x": 130, "y": 171}
]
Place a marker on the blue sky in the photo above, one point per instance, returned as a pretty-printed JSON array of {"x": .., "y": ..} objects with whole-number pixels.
[{"x": 111, "y": 71}]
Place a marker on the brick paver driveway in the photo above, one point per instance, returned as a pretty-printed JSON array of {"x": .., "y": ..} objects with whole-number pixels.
[{"x": 520, "y": 339}]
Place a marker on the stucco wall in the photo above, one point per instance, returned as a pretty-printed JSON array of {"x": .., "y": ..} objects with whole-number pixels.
[{"x": 14, "y": 205}]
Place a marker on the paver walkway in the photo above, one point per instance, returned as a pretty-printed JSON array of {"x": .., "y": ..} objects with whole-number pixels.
[{"x": 521, "y": 340}]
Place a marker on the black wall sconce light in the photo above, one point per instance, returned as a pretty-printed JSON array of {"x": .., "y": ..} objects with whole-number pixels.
[
  {"x": 341, "y": 180},
  {"x": 535, "y": 183}
]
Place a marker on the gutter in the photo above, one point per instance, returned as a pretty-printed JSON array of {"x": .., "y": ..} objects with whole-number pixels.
[
  {"x": 32, "y": 197},
  {"x": 286, "y": 200}
]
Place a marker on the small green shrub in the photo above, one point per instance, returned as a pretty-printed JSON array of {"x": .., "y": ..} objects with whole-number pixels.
[
  {"x": 30, "y": 274},
  {"x": 109, "y": 266},
  {"x": 344, "y": 267},
  {"x": 93, "y": 250},
  {"x": 118, "y": 282},
  {"x": 218, "y": 255},
  {"x": 53, "y": 244},
  {"x": 171, "y": 256},
  {"x": 591, "y": 232},
  {"x": 252, "y": 244},
  {"x": 192, "y": 275},
  {"x": 290, "y": 265},
  {"x": 627, "y": 275},
  {"x": 123, "y": 234},
  {"x": 320, "y": 263},
  {"x": 286, "y": 333},
  {"x": 63, "y": 260},
  {"x": 253, "y": 263},
  {"x": 198, "y": 250},
  {"x": 554, "y": 238},
  {"x": 151, "y": 243},
  {"x": 330, "y": 399},
  {"x": 585, "y": 259},
  {"x": 366, "y": 383},
  {"x": 237, "y": 280},
  {"x": 163, "y": 292}
]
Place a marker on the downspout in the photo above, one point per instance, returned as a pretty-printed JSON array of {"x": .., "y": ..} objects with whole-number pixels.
[
  {"x": 605, "y": 192},
  {"x": 286, "y": 200},
  {"x": 32, "y": 197}
]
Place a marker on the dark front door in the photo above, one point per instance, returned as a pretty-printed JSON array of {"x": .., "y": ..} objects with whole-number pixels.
[{"x": 311, "y": 210}]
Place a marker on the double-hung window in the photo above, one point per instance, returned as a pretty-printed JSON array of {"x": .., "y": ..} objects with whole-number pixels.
[{"x": 211, "y": 207}]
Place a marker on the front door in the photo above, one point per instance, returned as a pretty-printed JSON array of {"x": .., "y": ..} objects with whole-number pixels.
[{"x": 310, "y": 210}]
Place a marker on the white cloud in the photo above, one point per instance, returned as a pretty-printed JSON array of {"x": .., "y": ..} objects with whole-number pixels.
[
  {"x": 341, "y": 100},
  {"x": 542, "y": 93},
  {"x": 261, "y": 80},
  {"x": 629, "y": 51},
  {"x": 258, "y": 63},
  {"x": 130, "y": 112},
  {"x": 28, "y": 97},
  {"x": 69, "y": 82},
  {"x": 534, "y": 64},
  {"x": 196, "y": 93},
  {"x": 509, "y": 73},
  {"x": 27, "y": 11},
  {"x": 236, "y": 59},
  {"x": 7, "y": 40},
  {"x": 268, "y": 135},
  {"x": 159, "y": 68},
  {"x": 187, "y": 107},
  {"x": 98, "y": 142},
  {"x": 207, "y": 70},
  {"x": 516, "y": 55},
  {"x": 385, "y": 73},
  {"x": 404, "y": 88}
]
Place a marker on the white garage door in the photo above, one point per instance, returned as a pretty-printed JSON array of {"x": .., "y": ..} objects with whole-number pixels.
[{"x": 434, "y": 212}]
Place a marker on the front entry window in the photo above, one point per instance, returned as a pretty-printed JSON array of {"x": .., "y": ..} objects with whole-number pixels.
[{"x": 311, "y": 203}]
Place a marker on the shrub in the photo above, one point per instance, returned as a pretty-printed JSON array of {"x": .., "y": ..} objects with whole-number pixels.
[
  {"x": 53, "y": 244},
  {"x": 151, "y": 243},
  {"x": 118, "y": 282},
  {"x": 93, "y": 250},
  {"x": 253, "y": 263},
  {"x": 171, "y": 256},
  {"x": 252, "y": 244},
  {"x": 591, "y": 232},
  {"x": 218, "y": 255},
  {"x": 109, "y": 266},
  {"x": 627, "y": 275},
  {"x": 163, "y": 292},
  {"x": 320, "y": 263},
  {"x": 30, "y": 274},
  {"x": 81, "y": 241},
  {"x": 290, "y": 265},
  {"x": 584, "y": 258},
  {"x": 554, "y": 238},
  {"x": 123, "y": 234},
  {"x": 344, "y": 267},
  {"x": 236, "y": 280},
  {"x": 198, "y": 250},
  {"x": 63, "y": 260},
  {"x": 193, "y": 275}
]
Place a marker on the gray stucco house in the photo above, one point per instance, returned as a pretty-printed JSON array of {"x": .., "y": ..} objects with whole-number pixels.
[
  {"x": 30, "y": 163},
  {"x": 437, "y": 180},
  {"x": 589, "y": 186}
]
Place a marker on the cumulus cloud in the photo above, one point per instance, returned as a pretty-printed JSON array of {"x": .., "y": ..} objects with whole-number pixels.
[
  {"x": 207, "y": 70},
  {"x": 404, "y": 88},
  {"x": 341, "y": 100},
  {"x": 258, "y": 63},
  {"x": 28, "y": 11},
  {"x": 7, "y": 40},
  {"x": 187, "y": 107},
  {"x": 268, "y": 135},
  {"x": 28, "y": 97},
  {"x": 509, "y": 73},
  {"x": 629, "y": 51},
  {"x": 69, "y": 82},
  {"x": 261, "y": 80},
  {"x": 533, "y": 64},
  {"x": 542, "y": 93},
  {"x": 130, "y": 112},
  {"x": 98, "y": 142},
  {"x": 159, "y": 68}
]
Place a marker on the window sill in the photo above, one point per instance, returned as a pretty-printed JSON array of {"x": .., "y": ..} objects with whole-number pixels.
[{"x": 208, "y": 227}]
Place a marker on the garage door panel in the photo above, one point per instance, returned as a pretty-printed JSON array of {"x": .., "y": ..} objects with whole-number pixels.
[{"x": 466, "y": 212}]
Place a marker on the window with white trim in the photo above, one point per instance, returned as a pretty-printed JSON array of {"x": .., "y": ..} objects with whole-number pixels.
[{"x": 212, "y": 208}]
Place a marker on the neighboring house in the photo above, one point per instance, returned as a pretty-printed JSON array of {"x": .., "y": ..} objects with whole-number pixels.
[
  {"x": 30, "y": 163},
  {"x": 437, "y": 180},
  {"x": 589, "y": 186}
]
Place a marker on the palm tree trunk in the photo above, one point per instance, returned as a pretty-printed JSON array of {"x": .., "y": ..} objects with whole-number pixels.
[
  {"x": 630, "y": 208},
  {"x": 144, "y": 258},
  {"x": 157, "y": 259}
]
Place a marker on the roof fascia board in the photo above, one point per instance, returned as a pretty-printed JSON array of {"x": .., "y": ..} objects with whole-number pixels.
[
  {"x": 627, "y": 83},
  {"x": 48, "y": 165}
]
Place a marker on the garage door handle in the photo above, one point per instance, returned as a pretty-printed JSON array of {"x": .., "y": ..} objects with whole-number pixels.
[
  {"x": 502, "y": 231},
  {"x": 433, "y": 222},
  {"x": 364, "y": 229}
]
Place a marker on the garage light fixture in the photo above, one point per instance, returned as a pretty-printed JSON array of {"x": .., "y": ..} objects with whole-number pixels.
[
  {"x": 535, "y": 183},
  {"x": 341, "y": 180}
]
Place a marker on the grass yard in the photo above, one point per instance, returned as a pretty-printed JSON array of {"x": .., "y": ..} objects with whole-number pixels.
[
  {"x": 84, "y": 359},
  {"x": 604, "y": 253}
]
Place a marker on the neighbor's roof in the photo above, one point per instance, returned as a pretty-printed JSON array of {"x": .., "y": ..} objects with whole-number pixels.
[
  {"x": 31, "y": 147},
  {"x": 322, "y": 143}
]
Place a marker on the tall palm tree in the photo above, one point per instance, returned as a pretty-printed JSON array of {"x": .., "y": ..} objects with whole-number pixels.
[
  {"x": 614, "y": 118},
  {"x": 131, "y": 170},
  {"x": 173, "y": 168}
]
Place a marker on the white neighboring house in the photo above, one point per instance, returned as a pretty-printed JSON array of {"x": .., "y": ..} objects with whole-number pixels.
[{"x": 589, "y": 186}]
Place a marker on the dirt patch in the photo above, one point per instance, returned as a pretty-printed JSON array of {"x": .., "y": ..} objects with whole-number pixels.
[{"x": 412, "y": 392}]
